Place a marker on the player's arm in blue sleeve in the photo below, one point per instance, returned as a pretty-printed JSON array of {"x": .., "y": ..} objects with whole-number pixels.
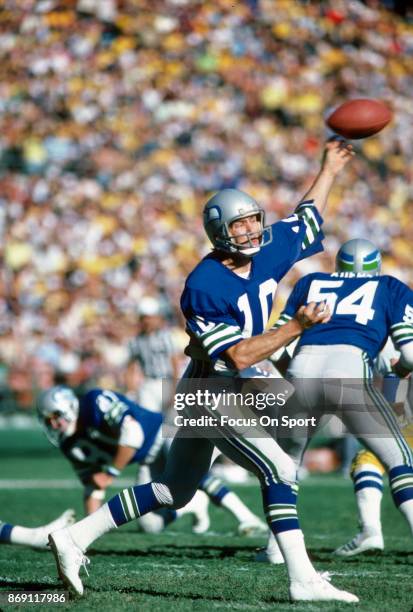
[
  {"x": 294, "y": 238},
  {"x": 130, "y": 438},
  {"x": 116, "y": 411},
  {"x": 209, "y": 322},
  {"x": 401, "y": 321},
  {"x": 304, "y": 229},
  {"x": 310, "y": 218}
]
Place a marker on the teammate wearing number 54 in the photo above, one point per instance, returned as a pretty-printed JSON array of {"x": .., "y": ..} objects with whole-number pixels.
[{"x": 366, "y": 308}]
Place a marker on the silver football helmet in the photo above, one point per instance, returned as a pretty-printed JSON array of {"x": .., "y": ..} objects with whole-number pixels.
[
  {"x": 227, "y": 206},
  {"x": 59, "y": 401},
  {"x": 358, "y": 255}
]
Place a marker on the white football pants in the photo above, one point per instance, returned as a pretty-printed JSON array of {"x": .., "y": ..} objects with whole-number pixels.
[{"x": 337, "y": 379}]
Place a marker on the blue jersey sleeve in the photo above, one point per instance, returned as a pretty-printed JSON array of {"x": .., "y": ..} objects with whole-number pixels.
[
  {"x": 312, "y": 221},
  {"x": 209, "y": 319},
  {"x": 401, "y": 313},
  {"x": 104, "y": 406},
  {"x": 305, "y": 224},
  {"x": 298, "y": 236}
]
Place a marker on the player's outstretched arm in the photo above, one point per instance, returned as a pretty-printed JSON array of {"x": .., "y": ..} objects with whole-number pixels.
[
  {"x": 252, "y": 350},
  {"x": 337, "y": 153}
]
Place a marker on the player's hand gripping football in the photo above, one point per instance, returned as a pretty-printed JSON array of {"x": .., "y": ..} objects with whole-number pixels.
[
  {"x": 313, "y": 313},
  {"x": 337, "y": 153}
]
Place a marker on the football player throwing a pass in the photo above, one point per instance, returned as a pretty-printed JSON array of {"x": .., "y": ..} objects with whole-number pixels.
[{"x": 226, "y": 302}]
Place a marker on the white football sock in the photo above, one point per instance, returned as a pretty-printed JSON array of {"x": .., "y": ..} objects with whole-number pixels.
[
  {"x": 90, "y": 528},
  {"x": 406, "y": 508},
  {"x": 27, "y": 536},
  {"x": 299, "y": 566},
  {"x": 369, "y": 505},
  {"x": 37, "y": 537},
  {"x": 233, "y": 504},
  {"x": 369, "y": 499},
  {"x": 272, "y": 545}
]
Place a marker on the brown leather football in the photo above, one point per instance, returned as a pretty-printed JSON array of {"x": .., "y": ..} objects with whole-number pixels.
[{"x": 359, "y": 118}]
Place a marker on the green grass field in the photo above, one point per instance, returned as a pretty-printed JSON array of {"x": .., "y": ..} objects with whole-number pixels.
[{"x": 180, "y": 571}]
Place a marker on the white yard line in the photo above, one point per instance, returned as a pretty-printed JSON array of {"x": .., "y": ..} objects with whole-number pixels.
[
  {"x": 54, "y": 483},
  {"x": 71, "y": 483}
]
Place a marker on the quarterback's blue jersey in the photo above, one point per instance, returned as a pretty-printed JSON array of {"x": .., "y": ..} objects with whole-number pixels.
[
  {"x": 365, "y": 310},
  {"x": 222, "y": 308},
  {"x": 95, "y": 441}
]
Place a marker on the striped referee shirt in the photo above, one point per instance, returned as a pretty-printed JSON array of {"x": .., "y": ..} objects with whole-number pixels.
[{"x": 153, "y": 352}]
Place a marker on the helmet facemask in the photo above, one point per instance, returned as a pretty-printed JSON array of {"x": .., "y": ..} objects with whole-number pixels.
[{"x": 230, "y": 243}]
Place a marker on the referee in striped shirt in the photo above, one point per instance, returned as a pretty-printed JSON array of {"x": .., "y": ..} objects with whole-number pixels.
[{"x": 154, "y": 352}]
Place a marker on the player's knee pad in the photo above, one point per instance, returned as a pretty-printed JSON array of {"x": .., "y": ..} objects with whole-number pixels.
[
  {"x": 174, "y": 495},
  {"x": 363, "y": 458},
  {"x": 163, "y": 493}
]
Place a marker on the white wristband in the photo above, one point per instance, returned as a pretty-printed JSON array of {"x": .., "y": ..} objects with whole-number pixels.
[{"x": 112, "y": 470}]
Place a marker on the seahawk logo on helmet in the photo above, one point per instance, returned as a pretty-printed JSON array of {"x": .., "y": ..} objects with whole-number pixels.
[
  {"x": 57, "y": 402},
  {"x": 358, "y": 256},
  {"x": 227, "y": 206}
]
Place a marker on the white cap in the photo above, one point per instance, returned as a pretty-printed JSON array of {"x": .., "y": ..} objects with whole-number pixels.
[{"x": 149, "y": 306}]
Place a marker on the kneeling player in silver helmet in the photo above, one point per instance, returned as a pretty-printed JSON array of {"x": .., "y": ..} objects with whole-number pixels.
[{"x": 102, "y": 431}]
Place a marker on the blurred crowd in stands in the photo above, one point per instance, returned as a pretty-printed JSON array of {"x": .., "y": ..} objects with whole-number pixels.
[{"x": 119, "y": 118}]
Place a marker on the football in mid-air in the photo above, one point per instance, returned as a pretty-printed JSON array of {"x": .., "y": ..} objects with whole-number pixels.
[{"x": 359, "y": 118}]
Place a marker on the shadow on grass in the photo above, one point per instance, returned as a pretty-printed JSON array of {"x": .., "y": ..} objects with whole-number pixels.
[
  {"x": 189, "y": 596},
  {"x": 46, "y": 587},
  {"x": 370, "y": 556},
  {"x": 32, "y": 586},
  {"x": 172, "y": 550}
]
